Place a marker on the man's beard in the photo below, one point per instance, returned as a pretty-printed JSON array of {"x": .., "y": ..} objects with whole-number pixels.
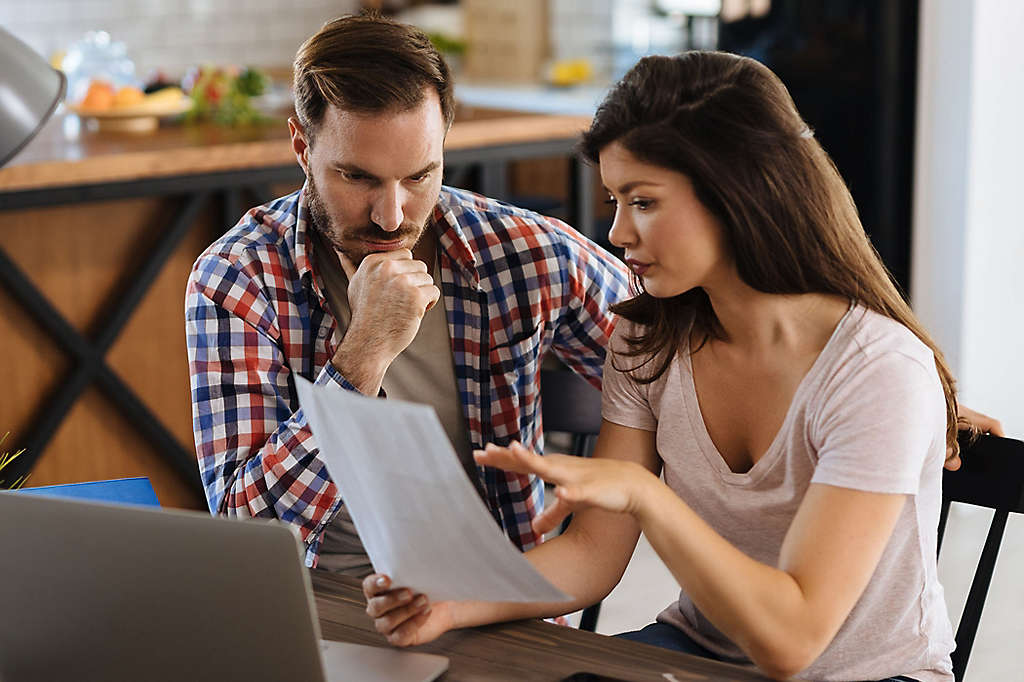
[{"x": 322, "y": 224}]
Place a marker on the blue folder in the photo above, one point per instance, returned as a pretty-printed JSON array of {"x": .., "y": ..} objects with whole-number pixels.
[{"x": 120, "y": 490}]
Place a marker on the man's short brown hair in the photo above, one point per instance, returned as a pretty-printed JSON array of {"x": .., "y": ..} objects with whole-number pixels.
[{"x": 368, "y": 64}]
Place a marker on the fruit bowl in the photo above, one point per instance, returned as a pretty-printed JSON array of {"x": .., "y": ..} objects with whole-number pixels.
[{"x": 142, "y": 117}]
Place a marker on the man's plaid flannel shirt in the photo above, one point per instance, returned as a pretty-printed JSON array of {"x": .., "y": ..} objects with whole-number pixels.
[{"x": 515, "y": 284}]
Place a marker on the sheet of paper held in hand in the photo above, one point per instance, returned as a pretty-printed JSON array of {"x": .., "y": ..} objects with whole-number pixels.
[{"x": 418, "y": 515}]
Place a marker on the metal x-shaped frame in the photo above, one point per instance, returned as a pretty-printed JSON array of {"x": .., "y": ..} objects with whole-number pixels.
[{"x": 89, "y": 351}]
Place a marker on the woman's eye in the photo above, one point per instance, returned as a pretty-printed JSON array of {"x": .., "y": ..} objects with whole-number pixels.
[
  {"x": 610, "y": 200},
  {"x": 642, "y": 204}
]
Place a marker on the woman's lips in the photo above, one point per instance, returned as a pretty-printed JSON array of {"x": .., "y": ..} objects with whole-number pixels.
[{"x": 637, "y": 267}]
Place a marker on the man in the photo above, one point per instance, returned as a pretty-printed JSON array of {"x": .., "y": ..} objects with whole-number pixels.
[{"x": 376, "y": 278}]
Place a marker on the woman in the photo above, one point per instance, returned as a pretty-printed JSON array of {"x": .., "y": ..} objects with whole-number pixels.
[{"x": 770, "y": 367}]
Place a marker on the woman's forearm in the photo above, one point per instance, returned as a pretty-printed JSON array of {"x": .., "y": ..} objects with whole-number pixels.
[
  {"x": 579, "y": 562},
  {"x": 759, "y": 607}
]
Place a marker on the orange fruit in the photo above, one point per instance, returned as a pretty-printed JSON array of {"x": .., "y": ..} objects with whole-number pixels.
[
  {"x": 128, "y": 96},
  {"x": 99, "y": 96}
]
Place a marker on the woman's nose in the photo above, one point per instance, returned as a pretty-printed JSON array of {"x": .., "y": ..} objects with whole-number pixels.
[{"x": 621, "y": 233}]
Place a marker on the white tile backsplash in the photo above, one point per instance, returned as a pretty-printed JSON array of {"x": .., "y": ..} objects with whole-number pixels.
[{"x": 174, "y": 35}]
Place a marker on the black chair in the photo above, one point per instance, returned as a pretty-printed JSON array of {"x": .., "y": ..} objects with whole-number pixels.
[
  {"x": 571, "y": 405},
  {"x": 991, "y": 475}
]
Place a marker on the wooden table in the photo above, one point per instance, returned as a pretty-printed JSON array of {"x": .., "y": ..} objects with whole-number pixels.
[{"x": 523, "y": 650}]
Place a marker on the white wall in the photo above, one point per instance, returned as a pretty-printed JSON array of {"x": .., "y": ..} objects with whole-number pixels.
[
  {"x": 968, "y": 247},
  {"x": 967, "y": 263},
  {"x": 992, "y": 370}
]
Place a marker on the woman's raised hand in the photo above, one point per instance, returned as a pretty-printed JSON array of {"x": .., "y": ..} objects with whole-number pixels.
[{"x": 609, "y": 484}]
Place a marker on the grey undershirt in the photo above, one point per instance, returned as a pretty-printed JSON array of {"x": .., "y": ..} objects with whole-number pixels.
[{"x": 423, "y": 373}]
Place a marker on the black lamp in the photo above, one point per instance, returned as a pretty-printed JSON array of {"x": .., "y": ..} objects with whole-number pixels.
[{"x": 30, "y": 90}]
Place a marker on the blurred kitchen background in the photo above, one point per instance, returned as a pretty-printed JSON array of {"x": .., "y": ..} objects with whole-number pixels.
[
  {"x": 851, "y": 65},
  {"x": 917, "y": 102},
  {"x": 171, "y": 35}
]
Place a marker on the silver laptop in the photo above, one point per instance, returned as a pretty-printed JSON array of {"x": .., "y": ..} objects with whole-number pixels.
[{"x": 100, "y": 592}]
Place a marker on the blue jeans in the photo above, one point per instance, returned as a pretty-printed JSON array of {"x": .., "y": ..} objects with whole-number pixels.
[{"x": 668, "y": 637}]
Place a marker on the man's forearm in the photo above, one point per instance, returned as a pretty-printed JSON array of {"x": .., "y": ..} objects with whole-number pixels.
[
  {"x": 256, "y": 456},
  {"x": 260, "y": 461},
  {"x": 361, "y": 367}
]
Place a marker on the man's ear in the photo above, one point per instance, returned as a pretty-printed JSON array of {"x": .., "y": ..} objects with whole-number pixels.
[{"x": 300, "y": 143}]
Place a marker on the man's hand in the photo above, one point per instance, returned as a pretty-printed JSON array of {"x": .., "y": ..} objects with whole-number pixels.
[
  {"x": 969, "y": 419},
  {"x": 388, "y": 295},
  {"x": 404, "y": 618},
  {"x": 982, "y": 422}
]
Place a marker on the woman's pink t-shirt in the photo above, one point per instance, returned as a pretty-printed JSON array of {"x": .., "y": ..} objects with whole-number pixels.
[{"x": 869, "y": 415}]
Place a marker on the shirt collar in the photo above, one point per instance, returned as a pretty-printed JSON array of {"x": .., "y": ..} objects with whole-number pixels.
[
  {"x": 451, "y": 236},
  {"x": 303, "y": 260}
]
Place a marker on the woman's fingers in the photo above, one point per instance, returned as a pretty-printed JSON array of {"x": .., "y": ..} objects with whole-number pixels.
[
  {"x": 407, "y": 633},
  {"x": 390, "y": 608},
  {"x": 520, "y": 460},
  {"x": 396, "y": 618},
  {"x": 494, "y": 456},
  {"x": 375, "y": 583},
  {"x": 552, "y": 517},
  {"x": 387, "y": 602},
  {"x": 980, "y": 423}
]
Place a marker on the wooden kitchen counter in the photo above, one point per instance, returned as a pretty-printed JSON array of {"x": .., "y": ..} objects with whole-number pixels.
[{"x": 65, "y": 153}]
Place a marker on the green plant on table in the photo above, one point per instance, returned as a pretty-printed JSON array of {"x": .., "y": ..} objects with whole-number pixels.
[{"x": 5, "y": 459}]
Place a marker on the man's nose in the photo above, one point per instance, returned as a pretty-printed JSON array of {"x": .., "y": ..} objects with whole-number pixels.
[{"x": 387, "y": 211}]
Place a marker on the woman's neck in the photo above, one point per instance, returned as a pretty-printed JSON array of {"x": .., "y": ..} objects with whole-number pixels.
[{"x": 756, "y": 323}]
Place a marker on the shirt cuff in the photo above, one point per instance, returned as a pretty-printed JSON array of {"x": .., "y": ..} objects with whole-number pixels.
[{"x": 329, "y": 374}]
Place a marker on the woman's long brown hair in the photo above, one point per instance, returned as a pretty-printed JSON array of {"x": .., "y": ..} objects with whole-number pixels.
[{"x": 728, "y": 123}]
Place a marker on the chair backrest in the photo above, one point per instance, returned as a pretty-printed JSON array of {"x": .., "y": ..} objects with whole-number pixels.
[
  {"x": 120, "y": 490},
  {"x": 569, "y": 404},
  {"x": 991, "y": 475}
]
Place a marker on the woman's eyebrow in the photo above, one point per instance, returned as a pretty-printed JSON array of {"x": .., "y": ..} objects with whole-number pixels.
[{"x": 630, "y": 186}]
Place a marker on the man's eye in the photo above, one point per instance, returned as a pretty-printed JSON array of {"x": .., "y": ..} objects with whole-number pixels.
[
  {"x": 354, "y": 177},
  {"x": 419, "y": 178}
]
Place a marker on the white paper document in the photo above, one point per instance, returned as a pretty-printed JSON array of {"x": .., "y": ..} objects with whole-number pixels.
[{"x": 417, "y": 513}]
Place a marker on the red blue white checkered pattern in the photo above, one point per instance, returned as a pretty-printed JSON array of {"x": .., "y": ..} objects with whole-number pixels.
[{"x": 515, "y": 285}]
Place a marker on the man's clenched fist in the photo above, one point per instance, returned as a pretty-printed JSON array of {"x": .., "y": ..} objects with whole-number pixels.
[{"x": 388, "y": 294}]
